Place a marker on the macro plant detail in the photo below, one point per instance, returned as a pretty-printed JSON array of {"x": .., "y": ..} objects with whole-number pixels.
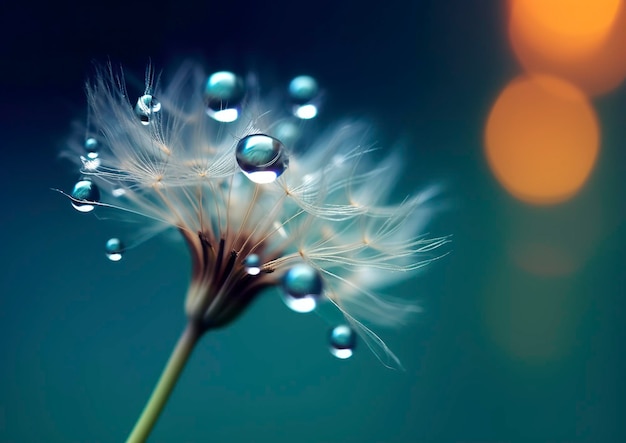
[{"x": 262, "y": 199}]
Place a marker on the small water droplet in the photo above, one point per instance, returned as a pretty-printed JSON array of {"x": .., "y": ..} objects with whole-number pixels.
[
  {"x": 85, "y": 192},
  {"x": 302, "y": 288},
  {"x": 303, "y": 90},
  {"x": 252, "y": 264},
  {"x": 114, "y": 249},
  {"x": 223, "y": 94},
  {"x": 91, "y": 146},
  {"x": 146, "y": 106},
  {"x": 261, "y": 157},
  {"x": 342, "y": 340}
]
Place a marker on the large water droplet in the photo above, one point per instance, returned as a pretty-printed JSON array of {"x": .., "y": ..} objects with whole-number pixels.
[
  {"x": 342, "y": 340},
  {"x": 86, "y": 193},
  {"x": 252, "y": 264},
  {"x": 261, "y": 157},
  {"x": 223, "y": 94},
  {"x": 114, "y": 249},
  {"x": 302, "y": 288},
  {"x": 303, "y": 90},
  {"x": 146, "y": 106}
]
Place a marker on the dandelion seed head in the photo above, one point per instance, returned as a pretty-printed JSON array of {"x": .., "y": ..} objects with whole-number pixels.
[{"x": 259, "y": 202}]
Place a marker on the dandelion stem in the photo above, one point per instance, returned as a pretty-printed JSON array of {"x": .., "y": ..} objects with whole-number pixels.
[{"x": 165, "y": 385}]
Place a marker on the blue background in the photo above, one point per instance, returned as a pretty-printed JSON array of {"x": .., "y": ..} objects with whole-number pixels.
[{"x": 501, "y": 354}]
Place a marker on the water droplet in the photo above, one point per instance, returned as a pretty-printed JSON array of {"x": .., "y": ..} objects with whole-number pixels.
[
  {"x": 252, "y": 263},
  {"x": 342, "y": 341},
  {"x": 223, "y": 94},
  {"x": 303, "y": 90},
  {"x": 302, "y": 287},
  {"x": 114, "y": 249},
  {"x": 85, "y": 192},
  {"x": 91, "y": 146},
  {"x": 261, "y": 157},
  {"x": 145, "y": 107}
]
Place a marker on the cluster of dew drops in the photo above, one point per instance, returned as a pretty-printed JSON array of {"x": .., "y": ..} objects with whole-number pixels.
[{"x": 262, "y": 158}]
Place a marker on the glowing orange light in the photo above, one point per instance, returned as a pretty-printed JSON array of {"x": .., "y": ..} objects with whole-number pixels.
[
  {"x": 541, "y": 139},
  {"x": 583, "y": 41}
]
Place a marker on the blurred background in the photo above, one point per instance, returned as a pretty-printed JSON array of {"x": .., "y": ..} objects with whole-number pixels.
[{"x": 515, "y": 106}]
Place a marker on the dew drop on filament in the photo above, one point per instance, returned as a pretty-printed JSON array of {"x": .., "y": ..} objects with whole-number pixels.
[
  {"x": 342, "y": 340},
  {"x": 146, "y": 106},
  {"x": 114, "y": 249},
  {"x": 85, "y": 193},
  {"x": 252, "y": 264},
  {"x": 261, "y": 158},
  {"x": 302, "y": 287}
]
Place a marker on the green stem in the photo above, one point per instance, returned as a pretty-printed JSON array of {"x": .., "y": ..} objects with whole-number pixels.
[{"x": 166, "y": 383}]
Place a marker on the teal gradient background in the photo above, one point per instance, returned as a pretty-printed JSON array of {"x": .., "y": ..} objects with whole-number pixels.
[{"x": 501, "y": 353}]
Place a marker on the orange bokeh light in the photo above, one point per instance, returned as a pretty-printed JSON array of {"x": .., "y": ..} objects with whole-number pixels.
[
  {"x": 542, "y": 139},
  {"x": 582, "y": 41}
]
